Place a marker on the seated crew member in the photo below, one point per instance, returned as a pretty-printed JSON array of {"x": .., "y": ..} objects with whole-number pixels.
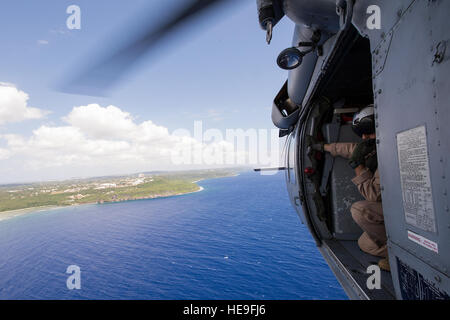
[{"x": 368, "y": 214}]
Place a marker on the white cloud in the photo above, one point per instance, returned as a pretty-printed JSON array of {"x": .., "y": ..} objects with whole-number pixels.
[
  {"x": 14, "y": 105},
  {"x": 106, "y": 138},
  {"x": 42, "y": 42},
  {"x": 98, "y": 122},
  {"x": 96, "y": 140},
  {"x": 4, "y": 154}
]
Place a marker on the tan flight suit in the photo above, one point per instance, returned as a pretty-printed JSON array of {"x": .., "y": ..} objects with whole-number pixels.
[{"x": 368, "y": 214}]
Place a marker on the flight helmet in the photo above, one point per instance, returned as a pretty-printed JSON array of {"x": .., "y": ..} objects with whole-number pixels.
[{"x": 364, "y": 121}]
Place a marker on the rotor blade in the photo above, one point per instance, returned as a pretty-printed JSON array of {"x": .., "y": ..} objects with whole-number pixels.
[{"x": 100, "y": 76}]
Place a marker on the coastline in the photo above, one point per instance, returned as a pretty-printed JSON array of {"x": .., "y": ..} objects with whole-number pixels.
[{"x": 6, "y": 215}]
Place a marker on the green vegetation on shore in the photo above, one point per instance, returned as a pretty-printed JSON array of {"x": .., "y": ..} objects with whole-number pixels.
[{"x": 105, "y": 189}]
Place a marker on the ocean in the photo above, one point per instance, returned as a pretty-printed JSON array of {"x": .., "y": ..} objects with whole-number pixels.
[{"x": 237, "y": 239}]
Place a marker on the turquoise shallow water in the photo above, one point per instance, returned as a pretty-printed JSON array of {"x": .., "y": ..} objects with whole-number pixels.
[{"x": 237, "y": 239}]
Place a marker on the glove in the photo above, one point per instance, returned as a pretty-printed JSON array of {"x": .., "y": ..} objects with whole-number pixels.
[
  {"x": 362, "y": 150},
  {"x": 318, "y": 146},
  {"x": 372, "y": 162},
  {"x": 314, "y": 144}
]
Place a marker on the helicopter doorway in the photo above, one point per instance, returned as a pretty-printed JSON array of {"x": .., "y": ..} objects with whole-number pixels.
[{"x": 330, "y": 192}]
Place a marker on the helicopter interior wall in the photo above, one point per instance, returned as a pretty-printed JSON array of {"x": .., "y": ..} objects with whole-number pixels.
[{"x": 343, "y": 194}]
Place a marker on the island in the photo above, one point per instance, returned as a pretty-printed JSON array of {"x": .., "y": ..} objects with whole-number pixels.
[{"x": 148, "y": 185}]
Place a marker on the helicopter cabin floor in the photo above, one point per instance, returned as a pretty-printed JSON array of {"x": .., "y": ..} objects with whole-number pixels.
[{"x": 356, "y": 262}]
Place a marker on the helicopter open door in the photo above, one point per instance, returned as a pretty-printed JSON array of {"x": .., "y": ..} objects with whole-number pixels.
[{"x": 321, "y": 190}]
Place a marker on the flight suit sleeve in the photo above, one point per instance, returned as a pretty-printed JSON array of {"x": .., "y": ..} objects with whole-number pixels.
[
  {"x": 342, "y": 149},
  {"x": 368, "y": 185}
]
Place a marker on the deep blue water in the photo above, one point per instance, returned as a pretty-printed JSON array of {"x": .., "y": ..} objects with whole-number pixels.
[{"x": 238, "y": 239}]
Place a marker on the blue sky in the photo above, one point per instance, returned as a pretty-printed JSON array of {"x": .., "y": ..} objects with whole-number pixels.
[{"x": 219, "y": 70}]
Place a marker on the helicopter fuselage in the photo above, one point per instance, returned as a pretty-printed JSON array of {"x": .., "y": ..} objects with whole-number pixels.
[{"x": 400, "y": 65}]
